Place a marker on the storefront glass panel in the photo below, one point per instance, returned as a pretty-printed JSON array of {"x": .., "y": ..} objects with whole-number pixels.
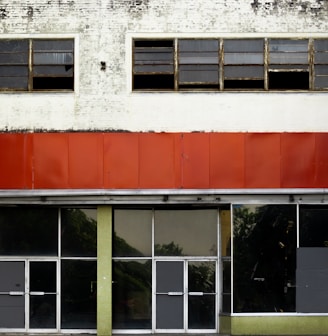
[
  {"x": 79, "y": 232},
  {"x": 176, "y": 231},
  {"x": 132, "y": 233},
  {"x": 78, "y": 294},
  {"x": 313, "y": 226},
  {"x": 28, "y": 231},
  {"x": 132, "y": 295},
  {"x": 264, "y": 258}
]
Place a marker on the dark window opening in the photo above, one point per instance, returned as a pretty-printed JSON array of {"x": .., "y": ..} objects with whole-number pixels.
[
  {"x": 150, "y": 82},
  {"x": 288, "y": 80},
  {"x": 53, "y": 83},
  {"x": 244, "y": 84},
  {"x": 153, "y": 43}
]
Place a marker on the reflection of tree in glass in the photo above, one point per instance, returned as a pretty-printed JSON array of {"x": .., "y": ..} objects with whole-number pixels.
[
  {"x": 122, "y": 249},
  {"x": 132, "y": 294},
  {"x": 170, "y": 249},
  {"x": 264, "y": 258},
  {"x": 79, "y": 233}
]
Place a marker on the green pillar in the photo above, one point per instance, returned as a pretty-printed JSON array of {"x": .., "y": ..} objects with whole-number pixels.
[{"x": 104, "y": 271}]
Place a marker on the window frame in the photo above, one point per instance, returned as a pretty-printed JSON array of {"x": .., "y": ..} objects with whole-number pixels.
[
  {"x": 70, "y": 87},
  {"x": 309, "y": 79}
]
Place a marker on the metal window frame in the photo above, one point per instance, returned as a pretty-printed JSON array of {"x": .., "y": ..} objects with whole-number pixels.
[
  {"x": 30, "y": 38},
  {"x": 310, "y": 39}
]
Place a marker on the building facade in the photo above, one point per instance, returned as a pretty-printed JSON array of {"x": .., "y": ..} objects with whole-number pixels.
[{"x": 164, "y": 167}]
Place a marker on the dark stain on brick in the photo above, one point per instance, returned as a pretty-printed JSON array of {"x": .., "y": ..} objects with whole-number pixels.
[
  {"x": 30, "y": 12},
  {"x": 138, "y": 5},
  {"x": 3, "y": 13},
  {"x": 317, "y": 8}
]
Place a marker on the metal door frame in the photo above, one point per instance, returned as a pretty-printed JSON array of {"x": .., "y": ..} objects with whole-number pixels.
[
  {"x": 27, "y": 261},
  {"x": 185, "y": 261}
]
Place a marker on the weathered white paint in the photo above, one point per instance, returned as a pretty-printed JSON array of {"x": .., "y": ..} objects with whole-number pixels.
[{"x": 103, "y": 100}]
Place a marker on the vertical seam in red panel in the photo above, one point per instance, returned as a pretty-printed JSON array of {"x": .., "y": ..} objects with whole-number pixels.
[{"x": 182, "y": 159}]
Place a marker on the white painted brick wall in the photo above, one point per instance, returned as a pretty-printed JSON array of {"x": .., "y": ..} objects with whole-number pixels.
[{"x": 103, "y": 99}]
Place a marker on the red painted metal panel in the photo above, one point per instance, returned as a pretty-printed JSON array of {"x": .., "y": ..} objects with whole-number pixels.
[
  {"x": 85, "y": 160},
  {"x": 227, "y": 168},
  {"x": 195, "y": 157},
  {"x": 12, "y": 161},
  {"x": 166, "y": 160},
  {"x": 50, "y": 160},
  {"x": 121, "y": 166},
  {"x": 321, "y": 160},
  {"x": 157, "y": 164},
  {"x": 297, "y": 160},
  {"x": 262, "y": 160}
]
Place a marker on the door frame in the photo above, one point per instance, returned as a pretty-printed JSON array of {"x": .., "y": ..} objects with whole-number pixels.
[
  {"x": 186, "y": 261},
  {"x": 27, "y": 261}
]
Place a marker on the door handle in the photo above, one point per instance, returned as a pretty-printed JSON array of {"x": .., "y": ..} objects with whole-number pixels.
[
  {"x": 196, "y": 293},
  {"x": 175, "y": 293},
  {"x": 13, "y": 293},
  {"x": 37, "y": 293}
]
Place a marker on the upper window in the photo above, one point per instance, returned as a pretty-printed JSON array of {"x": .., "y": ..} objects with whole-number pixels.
[
  {"x": 230, "y": 64},
  {"x": 36, "y": 65}
]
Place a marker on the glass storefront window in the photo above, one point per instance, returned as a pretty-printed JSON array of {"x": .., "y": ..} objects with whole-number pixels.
[
  {"x": 132, "y": 292},
  {"x": 176, "y": 231},
  {"x": 79, "y": 232},
  {"x": 132, "y": 233},
  {"x": 264, "y": 258},
  {"x": 28, "y": 231},
  {"x": 78, "y": 294},
  {"x": 313, "y": 226}
]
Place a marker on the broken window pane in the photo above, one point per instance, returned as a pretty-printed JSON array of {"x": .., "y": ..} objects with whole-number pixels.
[
  {"x": 153, "y": 64},
  {"x": 60, "y": 70},
  {"x": 288, "y": 64}
]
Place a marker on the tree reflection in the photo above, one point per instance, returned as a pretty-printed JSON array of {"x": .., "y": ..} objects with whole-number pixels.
[
  {"x": 264, "y": 258},
  {"x": 170, "y": 249}
]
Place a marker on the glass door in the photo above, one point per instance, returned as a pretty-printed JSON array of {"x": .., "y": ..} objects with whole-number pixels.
[
  {"x": 170, "y": 295},
  {"x": 186, "y": 297},
  {"x": 202, "y": 295},
  {"x": 42, "y": 294},
  {"x": 12, "y": 294}
]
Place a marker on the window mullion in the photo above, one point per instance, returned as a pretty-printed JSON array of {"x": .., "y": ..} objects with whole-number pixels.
[
  {"x": 266, "y": 62},
  {"x": 176, "y": 65},
  {"x": 221, "y": 62},
  {"x": 311, "y": 64},
  {"x": 30, "y": 66}
]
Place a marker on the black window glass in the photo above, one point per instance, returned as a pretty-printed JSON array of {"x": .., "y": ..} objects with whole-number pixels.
[
  {"x": 29, "y": 231},
  {"x": 132, "y": 292},
  {"x": 78, "y": 294},
  {"x": 79, "y": 232},
  {"x": 264, "y": 258},
  {"x": 313, "y": 226}
]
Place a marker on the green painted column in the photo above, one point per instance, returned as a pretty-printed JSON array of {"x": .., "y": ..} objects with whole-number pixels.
[{"x": 104, "y": 270}]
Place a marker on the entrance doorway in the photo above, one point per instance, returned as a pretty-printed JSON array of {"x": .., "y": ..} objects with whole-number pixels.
[
  {"x": 28, "y": 295},
  {"x": 186, "y": 295}
]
